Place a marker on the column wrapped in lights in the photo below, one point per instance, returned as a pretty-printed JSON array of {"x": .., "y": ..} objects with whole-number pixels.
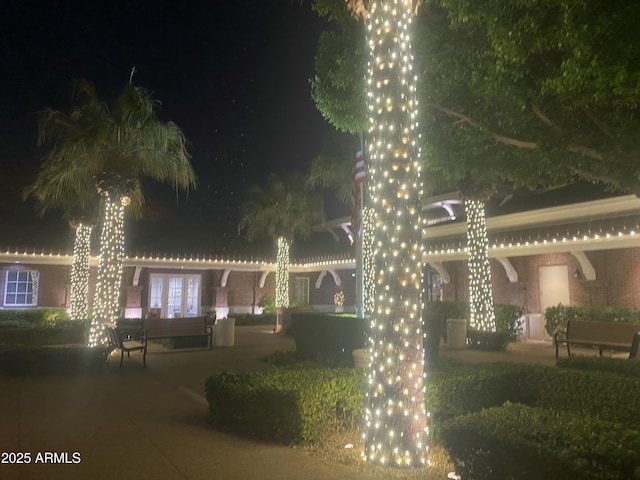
[
  {"x": 79, "y": 302},
  {"x": 107, "y": 300},
  {"x": 482, "y": 316},
  {"x": 282, "y": 273},
  {"x": 368, "y": 270},
  {"x": 396, "y": 426}
]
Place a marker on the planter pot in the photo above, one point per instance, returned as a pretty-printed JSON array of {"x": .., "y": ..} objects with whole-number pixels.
[{"x": 225, "y": 332}]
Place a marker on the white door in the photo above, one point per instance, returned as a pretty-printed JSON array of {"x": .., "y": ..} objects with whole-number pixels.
[{"x": 554, "y": 289}]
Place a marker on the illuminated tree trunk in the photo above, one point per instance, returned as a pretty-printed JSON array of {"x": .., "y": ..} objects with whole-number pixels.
[
  {"x": 395, "y": 414},
  {"x": 282, "y": 282},
  {"x": 80, "y": 272},
  {"x": 107, "y": 302},
  {"x": 482, "y": 316},
  {"x": 368, "y": 267}
]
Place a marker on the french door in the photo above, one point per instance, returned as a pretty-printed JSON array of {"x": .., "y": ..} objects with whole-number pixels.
[{"x": 175, "y": 296}]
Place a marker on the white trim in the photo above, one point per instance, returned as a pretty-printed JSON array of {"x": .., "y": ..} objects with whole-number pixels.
[
  {"x": 586, "y": 266},
  {"x": 512, "y": 275},
  {"x": 445, "y": 278}
]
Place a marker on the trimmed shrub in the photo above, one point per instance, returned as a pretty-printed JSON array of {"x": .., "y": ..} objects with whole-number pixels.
[
  {"x": 470, "y": 388},
  {"x": 48, "y": 361},
  {"x": 32, "y": 316},
  {"x": 328, "y": 339},
  {"x": 293, "y": 406},
  {"x": 466, "y": 388},
  {"x": 490, "y": 341},
  {"x": 619, "y": 366},
  {"x": 508, "y": 323},
  {"x": 268, "y": 304},
  {"x": 604, "y": 395},
  {"x": 447, "y": 309},
  {"x": 245, "y": 319},
  {"x": 508, "y": 320},
  {"x": 527, "y": 443},
  {"x": 34, "y": 336},
  {"x": 556, "y": 317}
]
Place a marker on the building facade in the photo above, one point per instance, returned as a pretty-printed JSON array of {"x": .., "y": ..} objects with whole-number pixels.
[{"x": 582, "y": 254}]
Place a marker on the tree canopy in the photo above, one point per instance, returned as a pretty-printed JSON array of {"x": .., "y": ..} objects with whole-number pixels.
[
  {"x": 536, "y": 91},
  {"x": 98, "y": 146},
  {"x": 282, "y": 208},
  {"x": 532, "y": 93}
]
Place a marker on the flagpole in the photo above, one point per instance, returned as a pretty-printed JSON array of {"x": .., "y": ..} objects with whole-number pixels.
[{"x": 357, "y": 224}]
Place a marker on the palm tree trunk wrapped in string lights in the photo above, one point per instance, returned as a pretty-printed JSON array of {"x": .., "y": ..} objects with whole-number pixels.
[
  {"x": 79, "y": 304},
  {"x": 481, "y": 311},
  {"x": 396, "y": 430},
  {"x": 110, "y": 263}
]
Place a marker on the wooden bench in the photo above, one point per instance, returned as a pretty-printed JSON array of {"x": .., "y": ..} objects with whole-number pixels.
[
  {"x": 116, "y": 342},
  {"x": 635, "y": 346},
  {"x": 159, "y": 328},
  {"x": 601, "y": 335}
]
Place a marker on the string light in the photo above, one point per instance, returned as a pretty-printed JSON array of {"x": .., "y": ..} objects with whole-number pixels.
[
  {"x": 395, "y": 415},
  {"x": 106, "y": 305},
  {"x": 79, "y": 302},
  {"x": 481, "y": 312},
  {"x": 282, "y": 273},
  {"x": 368, "y": 260}
]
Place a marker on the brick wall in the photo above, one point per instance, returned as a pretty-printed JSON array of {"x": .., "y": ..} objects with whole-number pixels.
[
  {"x": 54, "y": 286},
  {"x": 617, "y": 282}
]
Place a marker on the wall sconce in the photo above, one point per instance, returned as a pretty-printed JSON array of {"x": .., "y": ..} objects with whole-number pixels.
[{"x": 577, "y": 273}]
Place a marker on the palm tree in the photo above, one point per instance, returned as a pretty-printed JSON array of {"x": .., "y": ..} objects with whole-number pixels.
[
  {"x": 109, "y": 149},
  {"x": 79, "y": 208},
  {"x": 395, "y": 414},
  {"x": 281, "y": 211},
  {"x": 333, "y": 167}
]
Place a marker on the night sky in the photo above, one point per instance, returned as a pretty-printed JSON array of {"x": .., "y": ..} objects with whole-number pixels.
[{"x": 234, "y": 75}]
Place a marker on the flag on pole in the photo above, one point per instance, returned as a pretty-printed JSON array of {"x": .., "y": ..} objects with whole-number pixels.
[{"x": 359, "y": 176}]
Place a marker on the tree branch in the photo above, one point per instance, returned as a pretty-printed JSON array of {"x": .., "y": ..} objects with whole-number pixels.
[
  {"x": 546, "y": 120},
  {"x": 573, "y": 148},
  {"x": 499, "y": 138},
  {"x": 603, "y": 127}
]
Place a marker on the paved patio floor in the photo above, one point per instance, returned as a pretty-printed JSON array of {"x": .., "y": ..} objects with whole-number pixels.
[{"x": 144, "y": 423}]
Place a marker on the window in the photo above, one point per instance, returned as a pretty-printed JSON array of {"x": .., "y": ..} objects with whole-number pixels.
[
  {"x": 302, "y": 290},
  {"x": 174, "y": 296},
  {"x": 21, "y": 288},
  {"x": 434, "y": 290}
]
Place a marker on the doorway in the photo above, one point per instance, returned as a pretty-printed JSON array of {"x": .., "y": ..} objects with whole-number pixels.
[{"x": 554, "y": 289}]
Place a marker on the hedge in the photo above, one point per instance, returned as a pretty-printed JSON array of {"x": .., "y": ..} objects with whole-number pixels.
[
  {"x": 292, "y": 406},
  {"x": 11, "y": 338},
  {"x": 12, "y": 317},
  {"x": 471, "y": 388},
  {"x": 530, "y": 443},
  {"x": 556, "y": 317},
  {"x": 508, "y": 323},
  {"x": 618, "y": 366},
  {"x": 328, "y": 339}
]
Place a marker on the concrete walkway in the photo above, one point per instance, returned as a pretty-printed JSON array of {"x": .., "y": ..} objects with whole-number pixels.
[
  {"x": 151, "y": 423},
  {"x": 138, "y": 423}
]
